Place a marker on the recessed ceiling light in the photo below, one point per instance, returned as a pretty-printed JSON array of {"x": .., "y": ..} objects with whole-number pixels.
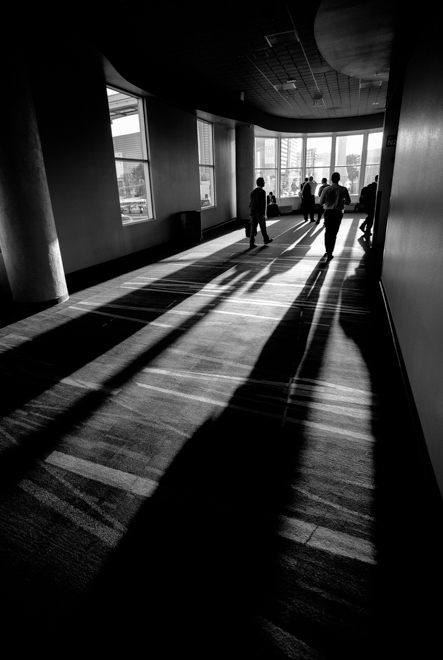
[
  {"x": 282, "y": 86},
  {"x": 260, "y": 54}
]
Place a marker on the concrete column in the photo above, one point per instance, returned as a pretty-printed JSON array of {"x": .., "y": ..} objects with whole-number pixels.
[
  {"x": 244, "y": 166},
  {"x": 390, "y": 129},
  {"x": 28, "y": 237}
]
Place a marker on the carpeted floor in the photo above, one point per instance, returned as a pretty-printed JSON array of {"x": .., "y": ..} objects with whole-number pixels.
[{"x": 211, "y": 456}]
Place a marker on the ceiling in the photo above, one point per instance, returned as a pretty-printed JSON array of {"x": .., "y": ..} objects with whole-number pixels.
[
  {"x": 333, "y": 56},
  {"x": 210, "y": 54}
]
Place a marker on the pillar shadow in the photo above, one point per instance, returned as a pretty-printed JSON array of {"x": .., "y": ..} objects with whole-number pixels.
[
  {"x": 205, "y": 549},
  {"x": 200, "y": 549},
  {"x": 200, "y": 566},
  {"x": 36, "y": 365}
]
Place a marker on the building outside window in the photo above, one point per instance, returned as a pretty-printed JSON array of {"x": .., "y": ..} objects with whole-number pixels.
[
  {"x": 266, "y": 162},
  {"x": 318, "y": 157},
  {"x": 205, "y": 139},
  {"x": 131, "y": 156},
  {"x": 373, "y": 156},
  {"x": 348, "y": 153},
  {"x": 291, "y": 171}
]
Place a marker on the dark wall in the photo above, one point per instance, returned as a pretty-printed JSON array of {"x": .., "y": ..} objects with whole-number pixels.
[
  {"x": 413, "y": 258},
  {"x": 73, "y": 122}
]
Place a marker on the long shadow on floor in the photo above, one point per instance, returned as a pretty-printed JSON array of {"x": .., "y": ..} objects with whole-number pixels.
[
  {"x": 36, "y": 365},
  {"x": 407, "y": 507},
  {"x": 201, "y": 570}
]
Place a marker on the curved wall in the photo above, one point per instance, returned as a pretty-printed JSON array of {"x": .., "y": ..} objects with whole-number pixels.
[{"x": 413, "y": 258}]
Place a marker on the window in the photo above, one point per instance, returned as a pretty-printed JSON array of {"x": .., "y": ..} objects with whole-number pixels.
[
  {"x": 266, "y": 162},
  {"x": 373, "y": 156},
  {"x": 206, "y": 163},
  {"x": 130, "y": 151},
  {"x": 291, "y": 153},
  {"x": 284, "y": 162},
  {"x": 348, "y": 150},
  {"x": 318, "y": 157}
]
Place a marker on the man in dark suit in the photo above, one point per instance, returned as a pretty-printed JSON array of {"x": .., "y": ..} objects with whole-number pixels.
[{"x": 257, "y": 206}]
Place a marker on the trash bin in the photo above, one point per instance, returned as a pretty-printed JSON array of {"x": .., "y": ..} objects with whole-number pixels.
[{"x": 190, "y": 226}]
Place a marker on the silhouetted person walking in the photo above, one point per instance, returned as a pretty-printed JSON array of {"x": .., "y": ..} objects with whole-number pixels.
[
  {"x": 257, "y": 206},
  {"x": 367, "y": 197},
  {"x": 334, "y": 197}
]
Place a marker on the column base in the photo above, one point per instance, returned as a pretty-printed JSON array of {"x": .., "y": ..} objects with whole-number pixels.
[{"x": 38, "y": 306}]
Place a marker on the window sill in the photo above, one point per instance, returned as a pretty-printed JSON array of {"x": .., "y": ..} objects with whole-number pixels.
[{"x": 135, "y": 221}]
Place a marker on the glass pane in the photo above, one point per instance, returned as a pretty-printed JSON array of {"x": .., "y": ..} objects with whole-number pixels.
[
  {"x": 207, "y": 186},
  {"x": 125, "y": 125},
  {"x": 374, "y": 148},
  {"x": 318, "y": 152},
  {"x": 370, "y": 174},
  {"x": 319, "y": 173},
  {"x": 349, "y": 177},
  {"x": 348, "y": 149},
  {"x": 204, "y": 136},
  {"x": 134, "y": 191},
  {"x": 265, "y": 152},
  {"x": 291, "y": 152},
  {"x": 290, "y": 182},
  {"x": 270, "y": 177}
]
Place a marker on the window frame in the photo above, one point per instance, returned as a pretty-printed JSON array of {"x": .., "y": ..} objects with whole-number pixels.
[
  {"x": 296, "y": 168},
  {"x": 145, "y": 157},
  {"x": 272, "y": 170},
  {"x": 333, "y": 164},
  {"x": 211, "y": 167}
]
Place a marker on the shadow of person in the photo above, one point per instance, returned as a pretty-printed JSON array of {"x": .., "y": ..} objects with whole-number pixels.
[
  {"x": 287, "y": 259},
  {"x": 408, "y": 563},
  {"x": 194, "y": 570}
]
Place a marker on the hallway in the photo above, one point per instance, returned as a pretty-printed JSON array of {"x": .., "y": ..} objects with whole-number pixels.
[{"x": 211, "y": 455}]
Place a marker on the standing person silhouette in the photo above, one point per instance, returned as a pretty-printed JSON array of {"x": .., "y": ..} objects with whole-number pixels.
[
  {"x": 257, "y": 206},
  {"x": 307, "y": 202},
  {"x": 334, "y": 197},
  {"x": 324, "y": 184}
]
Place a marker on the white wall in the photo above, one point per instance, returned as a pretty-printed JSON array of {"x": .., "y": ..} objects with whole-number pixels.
[{"x": 225, "y": 188}]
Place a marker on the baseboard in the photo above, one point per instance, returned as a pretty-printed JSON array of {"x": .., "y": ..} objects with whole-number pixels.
[
  {"x": 418, "y": 435},
  {"x": 219, "y": 225}
]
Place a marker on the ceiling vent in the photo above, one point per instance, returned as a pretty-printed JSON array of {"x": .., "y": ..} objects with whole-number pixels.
[
  {"x": 285, "y": 86},
  {"x": 282, "y": 38},
  {"x": 260, "y": 54}
]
